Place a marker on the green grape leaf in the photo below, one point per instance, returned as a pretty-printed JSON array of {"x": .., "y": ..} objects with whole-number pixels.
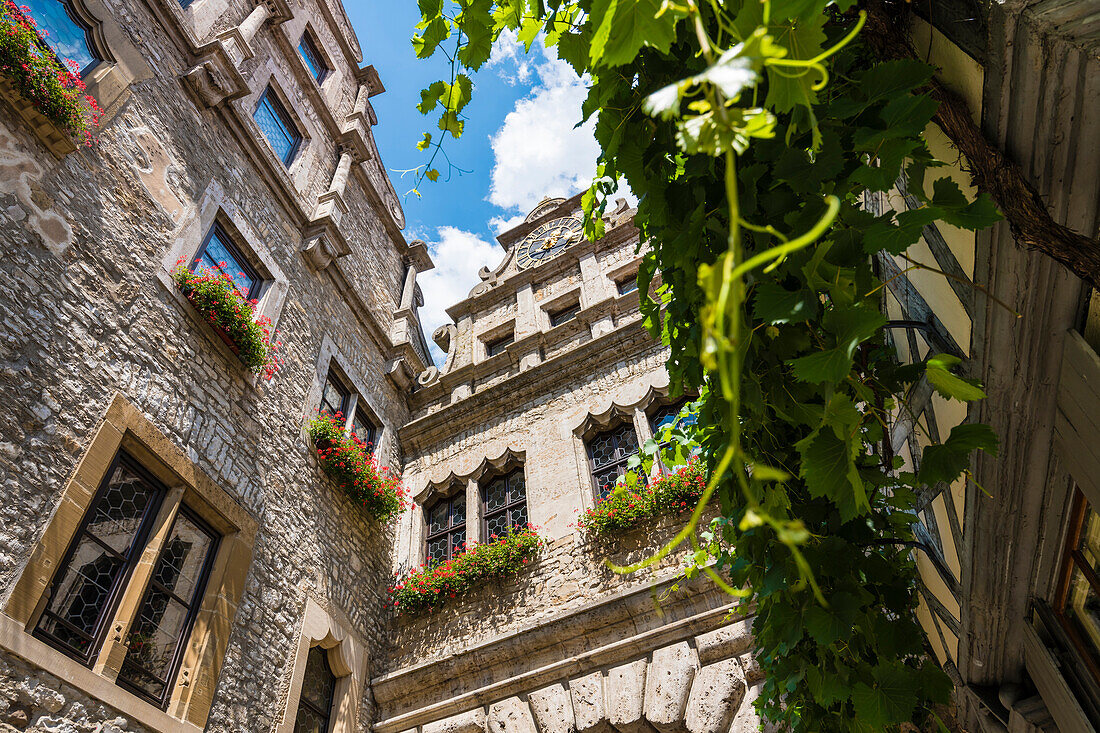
[
  {"x": 938, "y": 370},
  {"x": 434, "y": 33},
  {"x": 775, "y": 304},
  {"x": 624, "y": 27},
  {"x": 890, "y": 699},
  {"x": 947, "y": 461},
  {"x": 893, "y": 78},
  {"x": 830, "y": 472},
  {"x": 824, "y": 627},
  {"x": 957, "y": 211},
  {"x": 429, "y": 97}
]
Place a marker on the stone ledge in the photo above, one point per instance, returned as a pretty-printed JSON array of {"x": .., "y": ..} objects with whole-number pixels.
[
  {"x": 58, "y": 142},
  {"x": 15, "y": 640}
]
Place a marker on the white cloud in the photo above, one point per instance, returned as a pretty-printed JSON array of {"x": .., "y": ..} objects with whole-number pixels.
[
  {"x": 457, "y": 255},
  {"x": 538, "y": 151},
  {"x": 501, "y": 224},
  {"x": 508, "y": 58}
]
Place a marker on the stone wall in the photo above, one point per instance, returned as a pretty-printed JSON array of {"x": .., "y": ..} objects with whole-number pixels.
[{"x": 83, "y": 315}]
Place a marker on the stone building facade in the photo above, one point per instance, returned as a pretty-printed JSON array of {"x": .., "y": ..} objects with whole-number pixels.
[{"x": 134, "y": 435}]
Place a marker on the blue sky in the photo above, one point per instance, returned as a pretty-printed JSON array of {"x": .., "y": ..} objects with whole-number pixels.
[{"x": 519, "y": 145}]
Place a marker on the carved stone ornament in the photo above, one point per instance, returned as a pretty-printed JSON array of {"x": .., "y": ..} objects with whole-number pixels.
[
  {"x": 208, "y": 83},
  {"x": 428, "y": 376},
  {"x": 324, "y": 246}
]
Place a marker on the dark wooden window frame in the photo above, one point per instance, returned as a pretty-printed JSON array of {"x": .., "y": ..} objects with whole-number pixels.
[
  {"x": 325, "y": 715},
  {"x": 362, "y": 416},
  {"x": 621, "y": 462},
  {"x": 565, "y": 314},
  {"x": 141, "y": 540},
  {"x": 352, "y": 406},
  {"x": 283, "y": 115},
  {"x": 192, "y": 609},
  {"x": 311, "y": 53},
  {"x": 1073, "y": 559},
  {"x": 509, "y": 502},
  {"x": 499, "y": 344},
  {"x": 451, "y": 527},
  {"x": 230, "y": 244}
]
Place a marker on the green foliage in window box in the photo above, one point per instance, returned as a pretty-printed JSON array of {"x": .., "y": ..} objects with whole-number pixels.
[
  {"x": 431, "y": 585},
  {"x": 52, "y": 86},
  {"x": 354, "y": 469},
  {"x": 628, "y": 506},
  {"x": 232, "y": 316}
]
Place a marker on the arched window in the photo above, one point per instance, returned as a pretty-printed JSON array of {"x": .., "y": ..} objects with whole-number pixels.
[
  {"x": 504, "y": 504},
  {"x": 608, "y": 453},
  {"x": 318, "y": 689},
  {"x": 65, "y": 31},
  {"x": 446, "y": 536}
]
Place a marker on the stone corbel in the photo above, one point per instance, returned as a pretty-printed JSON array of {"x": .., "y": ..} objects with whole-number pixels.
[
  {"x": 400, "y": 374},
  {"x": 215, "y": 78},
  {"x": 322, "y": 242}
]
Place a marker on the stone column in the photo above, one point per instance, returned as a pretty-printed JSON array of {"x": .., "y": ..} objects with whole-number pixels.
[
  {"x": 255, "y": 20},
  {"x": 331, "y": 204},
  {"x": 408, "y": 292},
  {"x": 473, "y": 513}
]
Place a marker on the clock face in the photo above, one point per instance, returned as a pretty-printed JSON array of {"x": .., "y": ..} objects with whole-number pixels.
[{"x": 549, "y": 240}]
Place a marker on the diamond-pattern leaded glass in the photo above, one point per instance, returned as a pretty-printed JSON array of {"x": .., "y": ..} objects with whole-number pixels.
[
  {"x": 609, "y": 452},
  {"x": 101, "y": 556},
  {"x": 275, "y": 124},
  {"x": 312, "y": 57},
  {"x": 504, "y": 504},
  {"x": 318, "y": 687},
  {"x": 446, "y": 528},
  {"x": 67, "y": 36},
  {"x": 170, "y": 603}
]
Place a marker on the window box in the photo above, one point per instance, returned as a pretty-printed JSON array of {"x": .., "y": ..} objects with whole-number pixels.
[
  {"x": 233, "y": 318},
  {"x": 346, "y": 460},
  {"x": 621, "y": 510},
  {"x": 432, "y": 585},
  {"x": 46, "y": 93}
]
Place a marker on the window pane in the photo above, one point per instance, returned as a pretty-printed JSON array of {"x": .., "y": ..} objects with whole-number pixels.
[
  {"x": 495, "y": 495},
  {"x": 63, "y": 34},
  {"x": 217, "y": 257},
  {"x": 628, "y": 285},
  {"x": 362, "y": 428},
  {"x": 1083, "y": 607},
  {"x": 171, "y": 600},
  {"x": 627, "y": 441},
  {"x": 120, "y": 509},
  {"x": 603, "y": 449},
  {"x": 81, "y": 596},
  {"x": 309, "y": 721},
  {"x": 1090, "y": 539},
  {"x": 333, "y": 397},
  {"x": 519, "y": 516},
  {"x": 276, "y": 127},
  {"x": 497, "y": 525},
  {"x": 458, "y": 540},
  {"x": 439, "y": 517},
  {"x": 458, "y": 510},
  {"x": 606, "y": 481},
  {"x": 312, "y": 58},
  {"x": 438, "y": 548},
  {"x": 319, "y": 681}
]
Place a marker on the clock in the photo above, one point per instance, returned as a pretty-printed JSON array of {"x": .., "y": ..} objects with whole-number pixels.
[{"x": 548, "y": 240}]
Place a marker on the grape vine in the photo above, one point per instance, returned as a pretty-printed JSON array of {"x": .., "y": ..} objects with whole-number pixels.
[{"x": 751, "y": 131}]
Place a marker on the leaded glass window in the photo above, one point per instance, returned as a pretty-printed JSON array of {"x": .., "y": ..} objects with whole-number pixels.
[
  {"x": 334, "y": 395},
  {"x": 102, "y": 555},
  {"x": 166, "y": 614},
  {"x": 446, "y": 536},
  {"x": 363, "y": 428},
  {"x": 608, "y": 453},
  {"x": 318, "y": 690},
  {"x": 277, "y": 127},
  {"x": 312, "y": 58},
  {"x": 218, "y": 254},
  {"x": 64, "y": 32},
  {"x": 504, "y": 504}
]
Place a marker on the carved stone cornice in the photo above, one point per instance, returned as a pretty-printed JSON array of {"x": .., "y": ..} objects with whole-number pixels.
[
  {"x": 215, "y": 79},
  {"x": 323, "y": 242}
]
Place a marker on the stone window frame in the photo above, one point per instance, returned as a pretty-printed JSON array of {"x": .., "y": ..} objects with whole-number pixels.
[
  {"x": 487, "y": 477},
  {"x": 328, "y": 71},
  {"x": 215, "y": 207},
  {"x": 125, "y": 427},
  {"x": 108, "y": 80},
  {"x": 330, "y": 356},
  {"x": 510, "y": 460},
  {"x": 572, "y": 298},
  {"x": 299, "y": 171},
  {"x": 437, "y": 498},
  {"x": 591, "y": 425},
  {"x": 347, "y": 656},
  {"x": 496, "y": 335}
]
